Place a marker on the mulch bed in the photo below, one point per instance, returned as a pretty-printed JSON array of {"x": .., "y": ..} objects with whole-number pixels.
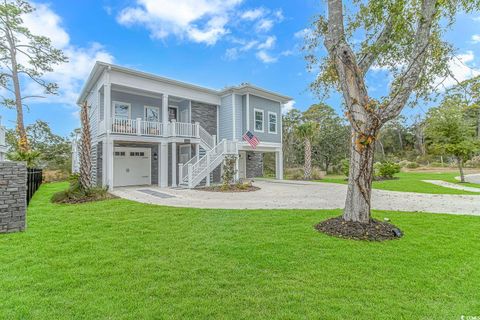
[
  {"x": 232, "y": 188},
  {"x": 373, "y": 231},
  {"x": 86, "y": 199}
]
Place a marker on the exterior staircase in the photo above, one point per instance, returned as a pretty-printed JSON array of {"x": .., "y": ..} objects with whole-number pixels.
[{"x": 200, "y": 167}]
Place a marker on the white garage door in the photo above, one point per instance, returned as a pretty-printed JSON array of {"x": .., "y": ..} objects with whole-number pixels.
[{"x": 131, "y": 166}]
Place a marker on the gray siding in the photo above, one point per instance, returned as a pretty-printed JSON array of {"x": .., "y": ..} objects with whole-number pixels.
[
  {"x": 99, "y": 163},
  {"x": 138, "y": 103},
  {"x": 225, "y": 118},
  {"x": 239, "y": 130},
  {"x": 265, "y": 105}
]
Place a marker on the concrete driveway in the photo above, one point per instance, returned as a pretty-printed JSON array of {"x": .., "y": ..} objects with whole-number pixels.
[{"x": 300, "y": 195}]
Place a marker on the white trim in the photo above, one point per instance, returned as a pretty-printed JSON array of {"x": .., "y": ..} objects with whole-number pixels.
[
  {"x": 248, "y": 112},
  {"x": 145, "y": 112},
  {"x": 276, "y": 122},
  {"x": 190, "y": 110},
  {"x": 120, "y": 102},
  {"x": 234, "y": 127},
  {"x": 255, "y": 110}
]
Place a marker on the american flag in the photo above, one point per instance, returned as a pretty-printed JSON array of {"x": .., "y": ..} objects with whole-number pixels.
[{"x": 251, "y": 139}]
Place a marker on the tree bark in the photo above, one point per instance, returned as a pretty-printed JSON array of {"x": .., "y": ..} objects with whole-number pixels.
[
  {"x": 307, "y": 167},
  {"x": 460, "y": 168},
  {"x": 85, "y": 149},
  {"x": 358, "y": 203}
]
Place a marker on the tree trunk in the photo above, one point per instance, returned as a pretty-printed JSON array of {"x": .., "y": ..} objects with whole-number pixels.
[
  {"x": 460, "y": 168},
  {"x": 307, "y": 167},
  {"x": 20, "y": 127},
  {"x": 357, "y": 204},
  {"x": 85, "y": 149}
]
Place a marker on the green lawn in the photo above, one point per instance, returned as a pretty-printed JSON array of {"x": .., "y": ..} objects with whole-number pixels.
[
  {"x": 123, "y": 260},
  {"x": 412, "y": 182}
]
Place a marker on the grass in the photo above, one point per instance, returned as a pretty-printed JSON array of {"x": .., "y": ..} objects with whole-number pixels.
[
  {"x": 118, "y": 259},
  {"x": 412, "y": 182}
]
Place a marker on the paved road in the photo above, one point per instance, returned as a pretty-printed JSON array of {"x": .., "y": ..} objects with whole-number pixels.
[{"x": 303, "y": 195}]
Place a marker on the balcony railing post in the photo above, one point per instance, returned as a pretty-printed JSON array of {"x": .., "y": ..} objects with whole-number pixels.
[
  {"x": 214, "y": 140},
  {"x": 208, "y": 169},
  {"x": 197, "y": 129},
  {"x": 190, "y": 176},
  {"x": 139, "y": 126},
  {"x": 173, "y": 128}
]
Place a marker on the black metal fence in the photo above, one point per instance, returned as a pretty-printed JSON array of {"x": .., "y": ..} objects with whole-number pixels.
[{"x": 34, "y": 180}]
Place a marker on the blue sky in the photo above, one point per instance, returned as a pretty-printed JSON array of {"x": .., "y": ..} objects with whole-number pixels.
[{"x": 213, "y": 43}]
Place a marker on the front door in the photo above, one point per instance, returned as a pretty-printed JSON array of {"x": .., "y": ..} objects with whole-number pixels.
[
  {"x": 185, "y": 153},
  {"x": 131, "y": 166},
  {"x": 242, "y": 165},
  {"x": 172, "y": 113}
]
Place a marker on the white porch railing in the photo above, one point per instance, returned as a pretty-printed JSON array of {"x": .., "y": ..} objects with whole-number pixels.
[
  {"x": 195, "y": 170},
  {"x": 157, "y": 129}
]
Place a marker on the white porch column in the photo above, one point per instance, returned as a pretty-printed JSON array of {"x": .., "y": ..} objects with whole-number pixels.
[
  {"x": 107, "y": 104},
  {"x": 109, "y": 159},
  {"x": 165, "y": 112},
  {"x": 237, "y": 168},
  {"x": 104, "y": 162},
  {"x": 163, "y": 158},
  {"x": 174, "y": 164},
  {"x": 279, "y": 165}
]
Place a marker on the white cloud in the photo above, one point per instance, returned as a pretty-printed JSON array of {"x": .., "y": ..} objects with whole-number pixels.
[
  {"x": 264, "y": 25},
  {"x": 268, "y": 44},
  {"x": 301, "y": 34},
  {"x": 253, "y": 14},
  {"x": 288, "y": 106},
  {"x": 70, "y": 75},
  {"x": 476, "y": 38},
  {"x": 202, "y": 21},
  {"x": 266, "y": 57},
  {"x": 462, "y": 68}
]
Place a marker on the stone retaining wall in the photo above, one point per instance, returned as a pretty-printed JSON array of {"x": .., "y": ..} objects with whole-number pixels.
[{"x": 13, "y": 189}]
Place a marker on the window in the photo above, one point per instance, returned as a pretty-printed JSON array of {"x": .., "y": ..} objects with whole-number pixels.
[
  {"x": 152, "y": 114},
  {"x": 258, "y": 120},
  {"x": 121, "y": 110},
  {"x": 137, "y": 154},
  {"x": 120, "y": 153},
  {"x": 272, "y": 122}
]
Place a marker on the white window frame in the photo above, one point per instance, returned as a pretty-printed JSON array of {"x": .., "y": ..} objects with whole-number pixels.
[
  {"x": 276, "y": 122},
  {"x": 151, "y": 107},
  {"x": 115, "y": 109},
  {"x": 255, "y": 120}
]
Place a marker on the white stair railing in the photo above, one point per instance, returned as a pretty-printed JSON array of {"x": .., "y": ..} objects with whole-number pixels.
[
  {"x": 206, "y": 138},
  {"x": 195, "y": 170}
]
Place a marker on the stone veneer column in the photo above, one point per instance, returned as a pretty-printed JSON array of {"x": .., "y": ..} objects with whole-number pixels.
[{"x": 13, "y": 189}]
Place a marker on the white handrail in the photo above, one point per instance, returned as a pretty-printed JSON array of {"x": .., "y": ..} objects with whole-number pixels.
[
  {"x": 150, "y": 128},
  {"x": 206, "y": 137}
]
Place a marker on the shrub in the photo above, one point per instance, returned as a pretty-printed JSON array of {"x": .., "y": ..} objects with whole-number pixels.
[
  {"x": 76, "y": 194},
  {"x": 229, "y": 171},
  {"x": 408, "y": 164},
  {"x": 386, "y": 170},
  {"x": 473, "y": 163},
  {"x": 345, "y": 167}
]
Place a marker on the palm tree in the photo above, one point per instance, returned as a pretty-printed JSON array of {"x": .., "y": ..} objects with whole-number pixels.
[
  {"x": 85, "y": 149},
  {"x": 306, "y": 131}
]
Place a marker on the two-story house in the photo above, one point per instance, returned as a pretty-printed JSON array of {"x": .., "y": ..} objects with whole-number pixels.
[
  {"x": 3, "y": 145},
  {"x": 151, "y": 130}
]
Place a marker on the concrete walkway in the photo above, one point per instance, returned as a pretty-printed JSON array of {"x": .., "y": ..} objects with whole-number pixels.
[
  {"x": 452, "y": 185},
  {"x": 472, "y": 178},
  {"x": 301, "y": 195}
]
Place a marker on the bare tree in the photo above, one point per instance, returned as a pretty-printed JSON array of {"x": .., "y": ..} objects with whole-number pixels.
[{"x": 403, "y": 37}]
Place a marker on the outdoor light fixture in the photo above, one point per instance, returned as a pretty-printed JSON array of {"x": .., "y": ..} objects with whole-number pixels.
[
  {"x": 155, "y": 156},
  {"x": 249, "y": 157}
]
